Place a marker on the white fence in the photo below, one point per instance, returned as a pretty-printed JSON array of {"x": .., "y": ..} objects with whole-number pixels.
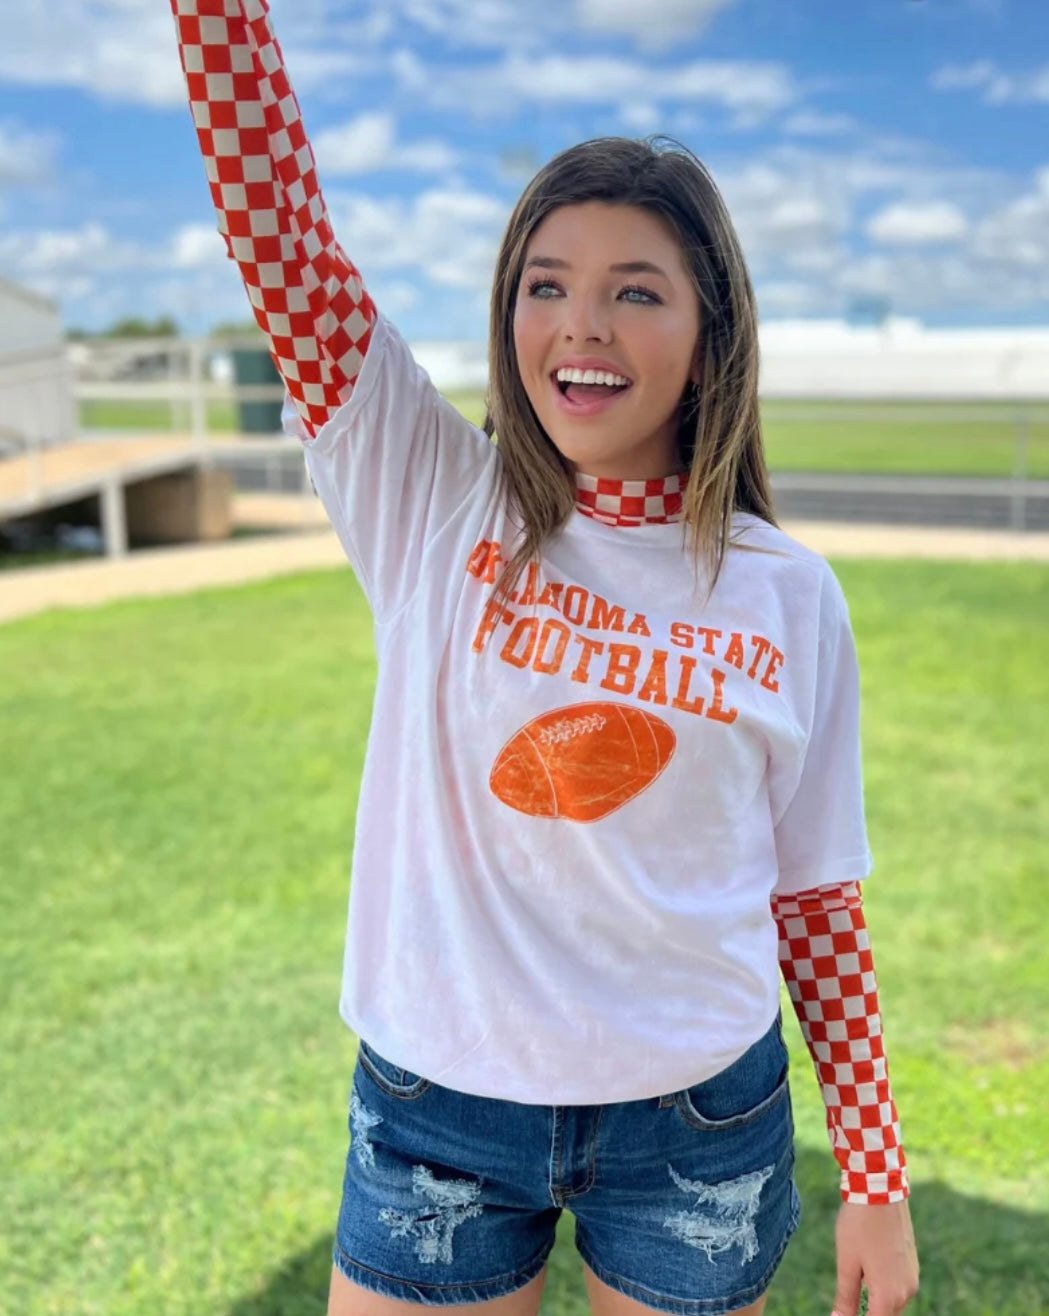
[{"x": 169, "y": 384}]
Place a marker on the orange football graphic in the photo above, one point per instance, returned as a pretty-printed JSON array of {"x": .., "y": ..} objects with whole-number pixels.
[{"x": 582, "y": 762}]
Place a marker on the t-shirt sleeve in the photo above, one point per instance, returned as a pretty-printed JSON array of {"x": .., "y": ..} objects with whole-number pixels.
[
  {"x": 817, "y": 804},
  {"x": 396, "y": 467}
]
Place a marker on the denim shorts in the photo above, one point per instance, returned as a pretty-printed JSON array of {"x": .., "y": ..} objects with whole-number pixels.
[{"x": 683, "y": 1202}]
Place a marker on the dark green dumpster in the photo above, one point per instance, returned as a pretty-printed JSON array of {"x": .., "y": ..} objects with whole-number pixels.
[{"x": 253, "y": 366}]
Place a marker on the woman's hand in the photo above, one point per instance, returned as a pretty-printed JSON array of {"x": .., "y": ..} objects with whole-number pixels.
[{"x": 876, "y": 1250}]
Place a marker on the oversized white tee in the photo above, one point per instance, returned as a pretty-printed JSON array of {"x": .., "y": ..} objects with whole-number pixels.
[{"x": 576, "y": 804}]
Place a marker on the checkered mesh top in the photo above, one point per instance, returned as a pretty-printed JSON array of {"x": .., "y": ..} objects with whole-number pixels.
[
  {"x": 631, "y": 502},
  {"x": 306, "y": 295}
]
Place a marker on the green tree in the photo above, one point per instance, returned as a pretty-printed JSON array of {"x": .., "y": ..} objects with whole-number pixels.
[
  {"x": 234, "y": 329},
  {"x": 134, "y": 326}
]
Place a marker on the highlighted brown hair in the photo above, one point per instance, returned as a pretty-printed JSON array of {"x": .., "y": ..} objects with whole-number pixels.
[{"x": 719, "y": 438}]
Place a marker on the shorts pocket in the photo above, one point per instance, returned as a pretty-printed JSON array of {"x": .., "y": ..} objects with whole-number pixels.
[
  {"x": 749, "y": 1088},
  {"x": 392, "y": 1079}
]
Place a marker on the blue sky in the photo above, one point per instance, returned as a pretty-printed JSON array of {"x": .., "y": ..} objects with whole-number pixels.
[{"x": 888, "y": 149}]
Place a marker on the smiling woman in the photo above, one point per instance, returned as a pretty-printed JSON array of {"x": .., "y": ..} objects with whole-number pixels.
[{"x": 615, "y": 758}]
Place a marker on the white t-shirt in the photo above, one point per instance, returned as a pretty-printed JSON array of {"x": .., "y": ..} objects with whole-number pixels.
[{"x": 575, "y": 806}]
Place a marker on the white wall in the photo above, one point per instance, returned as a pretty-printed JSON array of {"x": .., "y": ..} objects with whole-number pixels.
[
  {"x": 36, "y": 397},
  {"x": 27, "y": 321}
]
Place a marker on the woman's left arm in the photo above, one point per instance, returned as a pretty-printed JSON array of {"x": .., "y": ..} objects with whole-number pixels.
[{"x": 825, "y": 957}]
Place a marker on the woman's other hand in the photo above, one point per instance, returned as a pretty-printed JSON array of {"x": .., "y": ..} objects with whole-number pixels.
[{"x": 876, "y": 1251}]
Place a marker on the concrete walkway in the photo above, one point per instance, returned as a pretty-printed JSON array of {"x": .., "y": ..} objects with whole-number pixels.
[{"x": 307, "y": 544}]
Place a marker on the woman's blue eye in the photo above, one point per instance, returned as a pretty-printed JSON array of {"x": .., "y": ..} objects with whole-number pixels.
[
  {"x": 641, "y": 295},
  {"x": 542, "y": 288}
]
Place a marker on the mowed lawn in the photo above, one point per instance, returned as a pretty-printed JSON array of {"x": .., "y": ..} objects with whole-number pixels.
[
  {"x": 884, "y": 438},
  {"x": 176, "y": 812}
]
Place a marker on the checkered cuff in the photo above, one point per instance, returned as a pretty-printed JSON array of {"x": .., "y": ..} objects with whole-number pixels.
[
  {"x": 307, "y": 297},
  {"x": 825, "y": 957},
  {"x": 631, "y": 502}
]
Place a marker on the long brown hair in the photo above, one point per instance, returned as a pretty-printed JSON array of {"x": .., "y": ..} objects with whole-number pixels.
[{"x": 719, "y": 438}]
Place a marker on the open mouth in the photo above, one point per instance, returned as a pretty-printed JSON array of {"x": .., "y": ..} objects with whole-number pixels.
[{"x": 590, "y": 385}]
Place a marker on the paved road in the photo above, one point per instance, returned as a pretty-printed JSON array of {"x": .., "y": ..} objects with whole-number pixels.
[{"x": 308, "y": 545}]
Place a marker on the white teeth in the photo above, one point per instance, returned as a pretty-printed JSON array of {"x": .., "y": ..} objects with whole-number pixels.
[{"x": 569, "y": 375}]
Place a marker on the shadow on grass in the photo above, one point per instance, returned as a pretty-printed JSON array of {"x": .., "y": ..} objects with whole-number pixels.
[{"x": 978, "y": 1259}]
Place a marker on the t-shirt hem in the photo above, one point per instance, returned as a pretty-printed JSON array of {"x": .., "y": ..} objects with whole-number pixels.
[{"x": 554, "y": 1095}]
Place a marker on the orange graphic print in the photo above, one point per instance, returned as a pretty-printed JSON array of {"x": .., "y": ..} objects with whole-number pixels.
[{"x": 582, "y": 762}]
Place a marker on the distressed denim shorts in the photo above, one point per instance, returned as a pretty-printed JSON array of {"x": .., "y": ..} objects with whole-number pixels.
[{"x": 683, "y": 1202}]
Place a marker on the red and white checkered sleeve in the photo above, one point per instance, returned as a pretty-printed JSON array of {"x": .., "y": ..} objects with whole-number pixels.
[
  {"x": 308, "y": 299},
  {"x": 826, "y": 961}
]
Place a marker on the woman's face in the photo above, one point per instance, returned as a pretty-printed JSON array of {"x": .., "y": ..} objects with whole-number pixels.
[{"x": 605, "y": 292}]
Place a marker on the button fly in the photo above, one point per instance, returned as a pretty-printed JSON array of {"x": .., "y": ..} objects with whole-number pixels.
[{"x": 573, "y": 1151}]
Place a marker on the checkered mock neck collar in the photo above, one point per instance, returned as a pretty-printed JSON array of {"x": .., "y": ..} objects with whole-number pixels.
[{"x": 631, "y": 502}]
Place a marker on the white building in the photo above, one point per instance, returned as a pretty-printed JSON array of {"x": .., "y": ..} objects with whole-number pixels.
[
  {"x": 902, "y": 359},
  {"x": 36, "y": 394}
]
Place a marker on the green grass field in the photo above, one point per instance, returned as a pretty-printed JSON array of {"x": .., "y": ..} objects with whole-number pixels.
[
  {"x": 149, "y": 417},
  {"x": 177, "y": 814},
  {"x": 976, "y": 439}
]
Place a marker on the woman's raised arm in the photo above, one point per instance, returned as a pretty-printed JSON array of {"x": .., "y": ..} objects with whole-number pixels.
[{"x": 307, "y": 297}]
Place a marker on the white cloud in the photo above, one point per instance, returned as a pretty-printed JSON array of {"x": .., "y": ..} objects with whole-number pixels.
[
  {"x": 915, "y": 223},
  {"x": 787, "y": 213},
  {"x": 1016, "y": 234},
  {"x": 195, "y": 246},
  {"x": 656, "y": 23},
  {"x": 788, "y": 298},
  {"x": 753, "y": 92},
  {"x": 998, "y": 87},
  {"x": 509, "y": 25},
  {"x": 640, "y": 117},
  {"x": 413, "y": 236},
  {"x": 479, "y": 24},
  {"x": 395, "y": 296},
  {"x": 797, "y": 214},
  {"x": 369, "y": 143},
  {"x": 66, "y": 264},
  {"x": 52, "y": 251},
  {"x": 118, "y": 51},
  {"x": 810, "y": 123},
  {"x": 963, "y": 77},
  {"x": 25, "y": 156},
  {"x": 125, "y": 50}
]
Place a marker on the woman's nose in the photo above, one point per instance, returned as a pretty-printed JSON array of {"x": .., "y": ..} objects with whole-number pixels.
[{"x": 587, "y": 321}]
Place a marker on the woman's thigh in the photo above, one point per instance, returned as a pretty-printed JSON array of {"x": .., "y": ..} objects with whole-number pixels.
[
  {"x": 609, "y": 1302},
  {"x": 348, "y": 1299}
]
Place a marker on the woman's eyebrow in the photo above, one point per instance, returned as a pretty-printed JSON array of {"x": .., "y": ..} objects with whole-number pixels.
[{"x": 624, "y": 267}]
